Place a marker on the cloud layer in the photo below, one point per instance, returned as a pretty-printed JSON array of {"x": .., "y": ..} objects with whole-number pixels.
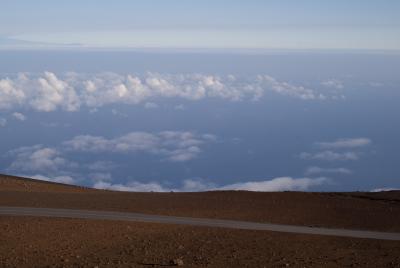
[
  {"x": 319, "y": 170},
  {"x": 330, "y": 156},
  {"x": 385, "y": 189},
  {"x": 177, "y": 146},
  {"x": 58, "y": 179},
  {"x": 273, "y": 185},
  {"x": 53, "y": 162},
  {"x": 337, "y": 150},
  {"x": 38, "y": 159},
  {"x": 345, "y": 149},
  {"x": 71, "y": 91}
]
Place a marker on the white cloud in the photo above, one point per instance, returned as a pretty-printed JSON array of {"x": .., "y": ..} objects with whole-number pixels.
[
  {"x": 385, "y": 189},
  {"x": 38, "y": 158},
  {"x": 176, "y": 146},
  {"x": 196, "y": 185},
  {"x": 184, "y": 154},
  {"x": 333, "y": 83},
  {"x": 3, "y": 122},
  {"x": 19, "y": 116},
  {"x": 10, "y": 94},
  {"x": 131, "y": 187},
  {"x": 318, "y": 170},
  {"x": 52, "y": 93},
  {"x": 330, "y": 156},
  {"x": 277, "y": 184},
  {"x": 274, "y": 185},
  {"x": 150, "y": 105},
  {"x": 288, "y": 89},
  {"x": 43, "y": 93},
  {"x": 345, "y": 143},
  {"x": 333, "y": 151},
  {"x": 90, "y": 86},
  {"x": 70, "y": 91},
  {"x": 135, "y": 141},
  {"x": 58, "y": 179}
]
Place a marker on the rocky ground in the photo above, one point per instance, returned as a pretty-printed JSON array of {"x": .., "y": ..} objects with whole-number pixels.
[{"x": 43, "y": 242}]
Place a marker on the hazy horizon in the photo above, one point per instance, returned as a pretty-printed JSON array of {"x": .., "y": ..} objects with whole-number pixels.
[{"x": 272, "y": 24}]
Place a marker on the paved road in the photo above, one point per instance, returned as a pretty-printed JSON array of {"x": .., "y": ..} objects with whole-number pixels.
[{"x": 122, "y": 216}]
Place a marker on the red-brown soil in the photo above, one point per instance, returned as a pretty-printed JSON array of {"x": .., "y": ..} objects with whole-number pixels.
[
  {"x": 368, "y": 211},
  {"x": 12, "y": 183},
  {"x": 43, "y": 242}
]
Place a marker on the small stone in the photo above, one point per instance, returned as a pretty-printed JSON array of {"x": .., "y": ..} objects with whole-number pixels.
[{"x": 176, "y": 262}]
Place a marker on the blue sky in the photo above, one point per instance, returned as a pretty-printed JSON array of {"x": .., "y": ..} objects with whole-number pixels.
[{"x": 280, "y": 24}]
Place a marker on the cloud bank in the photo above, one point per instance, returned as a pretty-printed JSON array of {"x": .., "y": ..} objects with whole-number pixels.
[
  {"x": 58, "y": 179},
  {"x": 385, "y": 189},
  {"x": 273, "y": 185},
  {"x": 71, "y": 91}
]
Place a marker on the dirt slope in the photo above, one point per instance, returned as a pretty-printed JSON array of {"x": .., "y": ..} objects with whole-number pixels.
[
  {"x": 39, "y": 242},
  {"x": 42, "y": 242},
  {"x": 18, "y": 184},
  {"x": 369, "y": 211}
]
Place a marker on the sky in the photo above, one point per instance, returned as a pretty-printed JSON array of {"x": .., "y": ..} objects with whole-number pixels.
[
  {"x": 201, "y": 95},
  {"x": 261, "y": 24}
]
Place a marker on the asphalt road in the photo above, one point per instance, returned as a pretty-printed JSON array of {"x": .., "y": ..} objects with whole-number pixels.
[{"x": 122, "y": 216}]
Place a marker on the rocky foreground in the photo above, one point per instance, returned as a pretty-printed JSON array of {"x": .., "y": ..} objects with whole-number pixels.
[{"x": 43, "y": 242}]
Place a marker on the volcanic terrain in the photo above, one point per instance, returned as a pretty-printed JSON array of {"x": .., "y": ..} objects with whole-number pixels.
[{"x": 58, "y": 242}]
